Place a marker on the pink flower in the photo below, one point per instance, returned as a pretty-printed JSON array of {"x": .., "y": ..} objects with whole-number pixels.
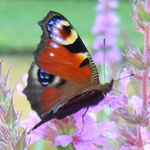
[
  {"x": 46, "y": 131},
  {"x": 109, "y": 56},
  {"x": 135, "y": 57},
  {"x": 77, "y": 133},
  {"x": 124, "y": 82},
  {"x": 112, "y": 4},
  {"x": 83, "y": 139},
  {"x": 108, "y": 129},
  {"x": 130, "y": 139},
  {"x": 147, "y": 147},
  {"x": 125, "y": 148},
  {"x": 104, "y": 26},
  {"x": 145, "y": 135},
  {"x": 114, "y": 100},
  {"x": 20, "y": 87},
  {"x": 105, "y": 21}
]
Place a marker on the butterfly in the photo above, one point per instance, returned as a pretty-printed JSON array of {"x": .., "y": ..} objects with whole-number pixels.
[{"x": 63, "y": 77}]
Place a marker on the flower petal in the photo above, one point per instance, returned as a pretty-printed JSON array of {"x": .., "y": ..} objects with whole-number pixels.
[
  {"x": 124, "y": 82},
  {"x": 107, "y": 129},
  {"x": 147, "y": 147},
  {"x": 81, "y": 145},
  {"x": 101, "y": 141},
  {"x": 136, "y": 102},
  {"x": 89, "y": 123},
  {"x": 145, "y": 134},
  {"x": 125, "y": 148},
  {"x": 25, "y": 77},
  {"x": 20, "y": 89},
  {"x": 63, "y": 140},
  {"x": 29, "y": 123}
]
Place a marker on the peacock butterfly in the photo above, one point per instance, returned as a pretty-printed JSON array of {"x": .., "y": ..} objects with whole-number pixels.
[{"x": 63, "y": 78}]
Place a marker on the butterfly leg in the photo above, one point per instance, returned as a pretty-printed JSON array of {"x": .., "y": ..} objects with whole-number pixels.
[
  {"x": 83, "y": 119},
  {"x": 107, "y": 100}
]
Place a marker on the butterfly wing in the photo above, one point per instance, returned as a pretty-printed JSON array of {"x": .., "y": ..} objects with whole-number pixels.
[
  {"x": 61, "y": 51},
  {"x": 63, "y": 67}
]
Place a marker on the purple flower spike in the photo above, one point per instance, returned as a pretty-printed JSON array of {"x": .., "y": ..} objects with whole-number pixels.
[
  {"x": 104, "y": 26},
  {"x": 112, "y": 4}
]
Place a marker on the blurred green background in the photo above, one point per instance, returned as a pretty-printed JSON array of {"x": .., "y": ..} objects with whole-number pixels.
[{"x": 20, "y": 34}]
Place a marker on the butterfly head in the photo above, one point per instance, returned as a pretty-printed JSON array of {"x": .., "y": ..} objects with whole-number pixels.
[{"x": 108, "y": 87}]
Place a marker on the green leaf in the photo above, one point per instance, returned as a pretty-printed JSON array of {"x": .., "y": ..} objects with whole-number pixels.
[
  {"x": 3, "y": 95},
  {"x": 69, "y": 147},
  {"x": 140, "y": 67},
  {"x": 143, "y": 14},
  {"x": 21, "y": 145},
  {"x": 11, "y": 115}
]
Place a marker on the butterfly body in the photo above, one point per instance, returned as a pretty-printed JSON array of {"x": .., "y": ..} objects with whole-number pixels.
[{"x": 63, "y": 78}]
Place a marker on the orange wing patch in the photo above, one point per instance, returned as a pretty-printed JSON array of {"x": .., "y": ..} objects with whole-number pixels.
[
  {"x": 57, "y": 60},
  {"x": 53, "y": 98},
  {"x": 49, "y": 98}
]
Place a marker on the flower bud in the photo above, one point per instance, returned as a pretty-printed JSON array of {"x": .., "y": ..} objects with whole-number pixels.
[{"x": 141, "y": 17}]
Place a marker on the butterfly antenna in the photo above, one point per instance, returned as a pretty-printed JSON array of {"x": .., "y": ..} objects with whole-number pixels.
[
  {"x": 117, "y": 91},
  {"x": 104, "y": 59},
  {"x": 124, "y": 77}
]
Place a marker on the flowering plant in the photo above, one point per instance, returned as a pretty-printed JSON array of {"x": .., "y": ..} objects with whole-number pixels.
[
  {"x": 128, "y": 124},
  {"x": 129, "y": 118},
  {"x": 105, "y": 26},
  {"x": 10, "y": 136}
]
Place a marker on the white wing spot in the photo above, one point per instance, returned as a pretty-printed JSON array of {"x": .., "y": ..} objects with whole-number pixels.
[
  {"x": 54, "y": 45},
  {"x": 51, "y": 54}
]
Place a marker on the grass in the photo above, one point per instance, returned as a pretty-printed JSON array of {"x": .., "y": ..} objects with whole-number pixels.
[{"x": 20, "y": 32}]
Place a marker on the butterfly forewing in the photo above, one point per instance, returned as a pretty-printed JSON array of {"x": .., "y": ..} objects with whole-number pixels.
[{"x": 61, "y": 51}]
